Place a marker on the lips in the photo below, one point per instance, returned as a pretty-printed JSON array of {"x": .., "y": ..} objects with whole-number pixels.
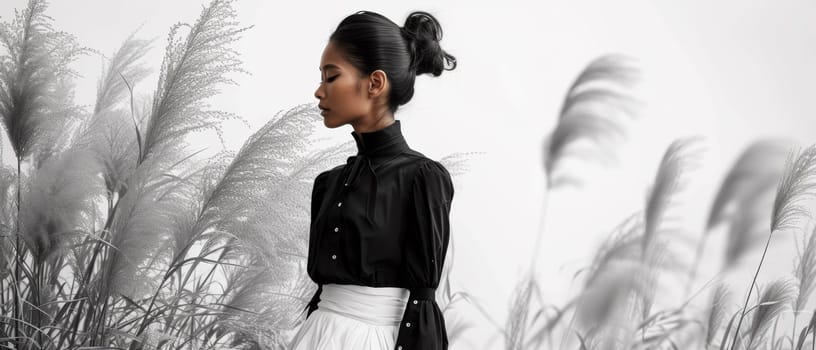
[{"x": 323, "y": 110}]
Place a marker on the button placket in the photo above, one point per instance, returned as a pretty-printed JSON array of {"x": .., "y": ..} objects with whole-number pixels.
[{"x": 337, "y": 228}]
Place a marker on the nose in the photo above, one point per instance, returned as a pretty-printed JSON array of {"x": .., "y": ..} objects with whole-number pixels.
[{"x": 318, "y": 94}]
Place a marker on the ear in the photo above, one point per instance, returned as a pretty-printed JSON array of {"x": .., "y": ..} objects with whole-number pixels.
[{"x": 378, "y": 83}]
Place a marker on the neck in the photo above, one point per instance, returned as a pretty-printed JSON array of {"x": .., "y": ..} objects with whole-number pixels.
[
  {"x": 378, "y": 123},
  {"x": 387, "y": 139}
]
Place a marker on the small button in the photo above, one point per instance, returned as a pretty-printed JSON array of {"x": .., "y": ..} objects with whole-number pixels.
[
  {"x": 339, "y": 203},
  {"x": 334, "y": 256},
  {"x": 415, "y": 301},
  {"x": 346, "y": 184},
  {"x": 408, "y": 324},
  {"x": 399, "y": 347},
  {"x": 336, "y": 229}
]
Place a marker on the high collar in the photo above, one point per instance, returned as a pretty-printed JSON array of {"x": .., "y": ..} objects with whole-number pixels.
[
  {"x": 373, "y": 148},
  {"x": 388, "y": 140}
]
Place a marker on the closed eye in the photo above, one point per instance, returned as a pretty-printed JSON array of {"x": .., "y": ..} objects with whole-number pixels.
[{"x": 330, "y": 79}]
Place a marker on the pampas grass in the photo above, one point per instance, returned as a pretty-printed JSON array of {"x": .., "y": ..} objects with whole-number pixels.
[
  {"x": 194, "y": 67},
  {"x": 805, "y": 274},
  {"x": 619, "y": 306},
  {"x": 772, "y": 303},
  {"x": 757, "y": 169},
  {"x": 35, "y": 103},
  {"x": 679, "y": 156},
  {"x": 716, "y": 313},
  {"x": 585, "y": 116},
  {"x": 34, "y": 78},
  {"x": 588, "y": 115},
  {"x": 124, "y": 274},
  {"x": 796, "y": 186}
]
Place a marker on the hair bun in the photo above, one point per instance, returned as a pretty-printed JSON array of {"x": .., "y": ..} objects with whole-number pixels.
[{"x": 423, "y": 33}]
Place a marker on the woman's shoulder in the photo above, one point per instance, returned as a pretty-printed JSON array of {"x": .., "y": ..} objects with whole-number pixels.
[
  {"x": 325, "y": 174},
  {"x": 425, "y": 166}
]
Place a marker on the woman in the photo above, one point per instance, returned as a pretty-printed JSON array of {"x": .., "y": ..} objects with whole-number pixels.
[{"x": 379, "y": 229}]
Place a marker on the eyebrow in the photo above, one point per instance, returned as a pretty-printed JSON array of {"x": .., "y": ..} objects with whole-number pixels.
[{"x": 329, "y": 65}]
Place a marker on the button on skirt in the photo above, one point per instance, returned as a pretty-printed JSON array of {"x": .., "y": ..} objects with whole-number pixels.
[{"x": 353, "y": 317}]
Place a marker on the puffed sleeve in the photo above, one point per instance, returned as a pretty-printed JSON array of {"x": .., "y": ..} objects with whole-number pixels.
[
  {"x": 423, "y": 326},
  {"x": 318, "y": 193}
]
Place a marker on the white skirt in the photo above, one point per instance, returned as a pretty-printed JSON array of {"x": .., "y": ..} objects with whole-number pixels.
[{"x": 353, "y": 317}]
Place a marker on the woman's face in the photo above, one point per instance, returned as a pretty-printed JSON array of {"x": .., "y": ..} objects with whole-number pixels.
[{"x": 342, "y": 92}]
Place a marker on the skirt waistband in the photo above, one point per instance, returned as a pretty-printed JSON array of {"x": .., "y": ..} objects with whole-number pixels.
[{"x": 382, "y": 306}]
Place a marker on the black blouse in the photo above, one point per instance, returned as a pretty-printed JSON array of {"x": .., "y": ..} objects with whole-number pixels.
[{"x": 382, "y": 220}]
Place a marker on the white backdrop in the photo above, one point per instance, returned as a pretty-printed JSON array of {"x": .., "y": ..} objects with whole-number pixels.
[{"x": 731, "y": 71}]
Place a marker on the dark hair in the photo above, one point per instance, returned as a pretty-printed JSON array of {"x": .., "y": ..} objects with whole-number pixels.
[{"x": 370, "y": 41}]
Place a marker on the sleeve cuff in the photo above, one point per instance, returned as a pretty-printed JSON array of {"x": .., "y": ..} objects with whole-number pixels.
[{"x": 422, "y": 325}]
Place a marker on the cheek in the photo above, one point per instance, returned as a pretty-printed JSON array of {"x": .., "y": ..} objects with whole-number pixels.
[{"x": 346, "y": 95}]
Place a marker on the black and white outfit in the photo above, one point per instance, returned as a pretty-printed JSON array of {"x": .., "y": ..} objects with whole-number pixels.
[{"x": 379, "y": 233}]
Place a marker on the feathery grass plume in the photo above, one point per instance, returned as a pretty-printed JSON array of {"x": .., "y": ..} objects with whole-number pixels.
[
  {"x": 59, "y": 133},
  {"x": 622, "y": 244},
  {"x": 256, "y": 310},
  {"x": 590, "y": 113},
  {"x": 594, "y": 102},
  {"x": 160, "y": 198},
  {"x": 717, "y": 310},
  {"x": 518, "y": 319},
  {"x": 118, "y": 117},
  {"x": 143, "y": 223},
  {"x": 772, "y": 303},
  {"x": 805, "y": 273},
  {"x": 457, "y": 163},
  {"x": 8, "y": 214},
  {"x": 660, "y": 329},
  {"x": 655, "y": 260},
  {"x": 679, "y": 157},
  {"x": 59, "y": 201},
  {"x": 795, "y": 187},
  {"x": 257, "y": 208},
  {"x": 260, "y": 198},
  {"x": 606, "y": 310},
  {"x": 110, "y": 132},
  {"x": 192, "y": 70},
  {"x": 35, "y": 78},
  {"x": 111, "y": 136},
  {"x": 620, "y": 287},
  {"x": 747, "y": 226},
  {"x": 757, "y": 169},
  {"x": 36, "y": 107},
  {"x": 121, "y": 72},
  {"x": 610, "y": 305}
]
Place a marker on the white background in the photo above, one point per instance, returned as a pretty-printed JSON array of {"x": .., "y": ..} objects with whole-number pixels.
[{"x": 732, "y": 71}]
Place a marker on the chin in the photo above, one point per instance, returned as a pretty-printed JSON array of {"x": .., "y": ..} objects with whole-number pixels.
[{"x": 330, "y": 124}]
